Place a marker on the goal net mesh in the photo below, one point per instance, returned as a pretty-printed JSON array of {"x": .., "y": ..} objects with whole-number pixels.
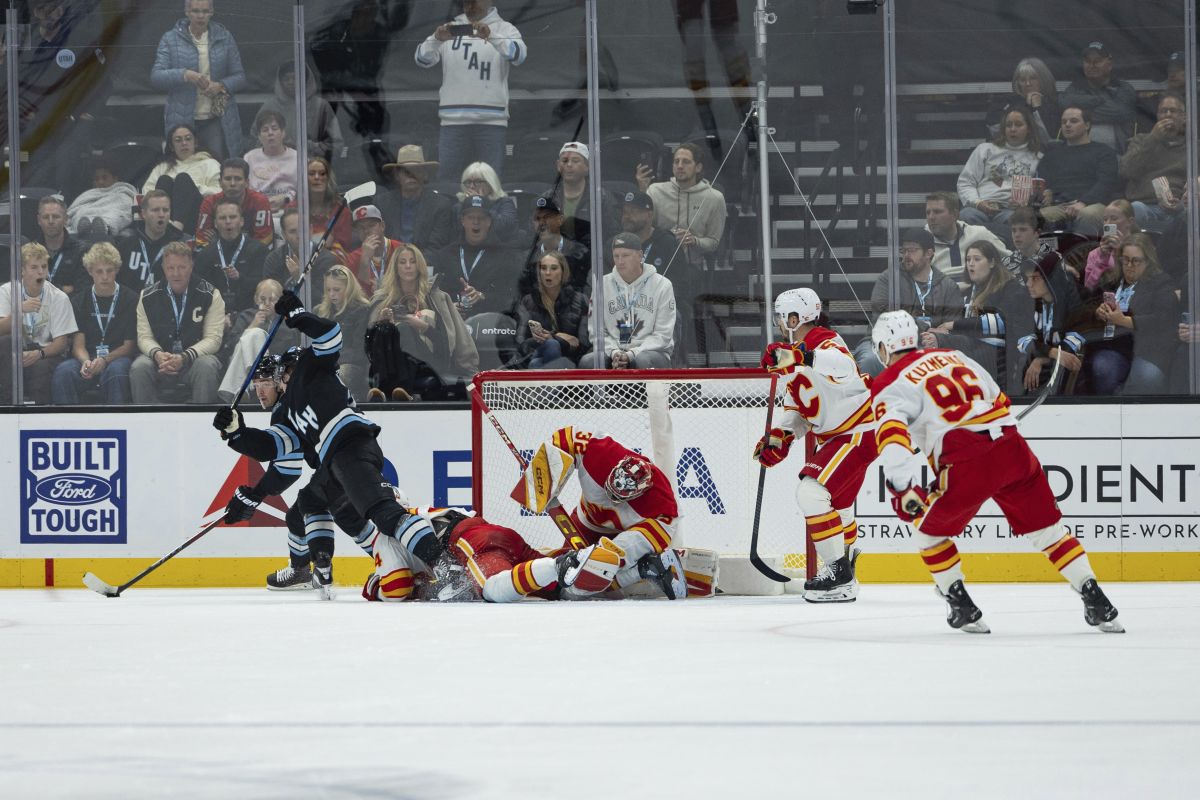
[{"x": 699, "y": 429}]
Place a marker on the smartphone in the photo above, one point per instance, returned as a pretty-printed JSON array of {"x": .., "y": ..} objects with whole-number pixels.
[
  {"x": 1110, "y": 300},
  {"x": 465, "y": 29},
  {"x": 1110, "y": 229},
  {"x": 534, "y": 325}
]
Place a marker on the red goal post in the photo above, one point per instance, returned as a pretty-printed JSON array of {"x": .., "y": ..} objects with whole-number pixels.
[{"x": 699, "y": 426}]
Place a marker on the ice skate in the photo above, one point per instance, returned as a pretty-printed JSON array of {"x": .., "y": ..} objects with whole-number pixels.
[
  {"x": 290, "y": 579},
  {"x": 1097, "y": 610},
  {"x": 322, "y": 575},
  {"x": 834, "y": 583},
  {"x": 963, "y": 614}
]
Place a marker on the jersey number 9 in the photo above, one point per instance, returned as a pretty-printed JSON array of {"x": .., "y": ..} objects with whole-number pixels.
[{"x": 954, "y": 394}]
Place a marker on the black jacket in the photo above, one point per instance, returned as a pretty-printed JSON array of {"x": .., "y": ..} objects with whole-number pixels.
[
  {"x": 238, "y": 294},
  {"x": 571, "y": 310},
  {"x": 434, "y": 227},
  {"x": 1006, "y": 315},
  {"x": 141, "y": 264}
]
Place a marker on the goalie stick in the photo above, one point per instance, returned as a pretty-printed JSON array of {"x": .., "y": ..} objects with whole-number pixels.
[
  {"x": 562, "y": 519},
  {"x": 357, "y": 193},
  {"x": 755, "y": 558},
  {"x": 108, "y": 590}
]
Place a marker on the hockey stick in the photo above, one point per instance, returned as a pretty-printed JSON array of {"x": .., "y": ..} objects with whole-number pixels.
[
  {"x": 357, "y": 193},
  {"x": 108, "y": 590},
  {"x": 1047, "y": 389},
  {"x": 554, "y": 508},
  {"x": 755, "y": 558}
]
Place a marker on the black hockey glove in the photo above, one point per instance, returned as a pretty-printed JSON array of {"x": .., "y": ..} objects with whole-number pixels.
[
  {"x": 241, "y": 506},
  {"x": 288, "y": 306},
  {"x": 228, "y": 421}
]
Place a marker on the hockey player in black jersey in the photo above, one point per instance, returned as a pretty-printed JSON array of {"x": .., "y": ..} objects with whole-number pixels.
[{"x": 316, "y": 416}]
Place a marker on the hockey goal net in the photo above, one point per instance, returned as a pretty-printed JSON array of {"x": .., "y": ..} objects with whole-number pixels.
[{"x": 698, "y": 426}]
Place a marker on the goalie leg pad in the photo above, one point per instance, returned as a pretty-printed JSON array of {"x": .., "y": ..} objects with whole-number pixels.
[{"x": 592, "y": 570}]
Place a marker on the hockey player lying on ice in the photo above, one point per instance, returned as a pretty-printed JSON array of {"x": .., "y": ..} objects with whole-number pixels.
[{"x": 948, "y": 406}]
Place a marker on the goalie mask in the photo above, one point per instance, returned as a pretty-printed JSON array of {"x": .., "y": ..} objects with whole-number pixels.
[
  {"x": 629, "y": 479},
  {"x": 804, "y": 303}
]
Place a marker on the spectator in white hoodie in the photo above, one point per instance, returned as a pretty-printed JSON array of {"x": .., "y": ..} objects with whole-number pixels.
[
  {"x": 687, "y": 205},
  {"x": 639, "y": 310},
  {"x": 473, "y": 104},
  {"x": 986, "y": 182}
]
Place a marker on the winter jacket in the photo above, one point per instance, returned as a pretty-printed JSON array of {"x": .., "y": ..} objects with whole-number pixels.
[
  {"x": 943, "y": 302},
  {"x": 989, "y": 171},
  {"x": 1155, "y": 312},
  {"x": 496, "y": 273},
  {"x": 700, "y": 209},
  {"x": 648, "y": 304},
  {"x": 177, "y": 53},
  {"x": 324, "y": 130},
  {"x": 141, "y": 262},
  {"x": 571, "y": 316},
  {"x": 474, "y": 71},
  {"x": 204, "y": 169},
  {"x": 1149, "y": 157}
]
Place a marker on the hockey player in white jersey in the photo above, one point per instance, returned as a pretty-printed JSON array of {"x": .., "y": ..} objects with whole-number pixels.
[
  {"x": 830, "y": 398},
  {"x": 948, "y": 406}
]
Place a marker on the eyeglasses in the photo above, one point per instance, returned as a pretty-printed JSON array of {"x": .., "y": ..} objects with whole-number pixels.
[
  {"x": 185, "y": 138},
  {"x": 475, "y": 182},
  {"x": 904, "y": 251},
  {"x": 1136, "y": 262}
]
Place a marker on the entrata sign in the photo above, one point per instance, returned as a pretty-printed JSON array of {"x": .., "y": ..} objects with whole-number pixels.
[{"x": 73, "y": 487}]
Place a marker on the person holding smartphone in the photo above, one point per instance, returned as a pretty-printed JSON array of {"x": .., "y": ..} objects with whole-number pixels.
[
  {"x": 552, "y": 329},
  {"x": 1119, "y": 222}
]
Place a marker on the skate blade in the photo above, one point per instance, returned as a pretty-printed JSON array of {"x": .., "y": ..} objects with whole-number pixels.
[
  {"x": 978, "y": 626},
  {"x": 1112, "y": 626},
  {"x": 846, "y": 595},
  {"x": 299, "y": 587},
  {"x": 325, "y": 592}
]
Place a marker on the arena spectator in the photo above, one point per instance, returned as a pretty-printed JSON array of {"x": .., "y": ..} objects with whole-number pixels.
[
  {"x": 45, "y": 327},
  {"x": 256, "y": 208},
  {"x": 687, "y": 205},
  {"x": 485, "y": 275},
  {"x": 639, "y": 310},
  {"x": 985, "y": 185},
  {"x": 1112, "y": 102},
  {"x": 349, "y": 52},
  {"x": 199, "y": 67},
  {"x": 923, "y": 290},
  {"x": 323, "y": 201},
  {"x": 370, "y": 260},
  {"x": 283, "y": 263},
  {"x": 1140, "y": 318},
  {"x": 187, "y": 175},
  {"x": 1119, "y": 222},
  {"x": 272, "y": 164},
  {"x": 249, "y": 332},
  {"x": 180, "y": 323},
  {"x": 552, "y": 321},
  {"x": 107, "y": 207},
  {"x": 412, "y": 211},
  {"x": 417, "y": 339},
  {"x": 1154, "y": 159},
  {"x": 324, "y": 132},
  {"x": 473, "y": 102},
  {"x": 1080, "y": 175},
  {"x": 141, "y": 245},
  {"x": 951, "y": 237},
  {"x": 573, "y": 196},
  {"x": 1056, "y": 307},
  {"x": 547, "y": 228},
  {"x": 1033, "y": 86},
  {"x": 104, "y": 346},
  {"x": 479, "y": 179},
  {"x": 232, "y": 262},
  {"x": 343, "y": 302},
  {"x": 65, "y": 251},
  {"x": 997, "y": 314},
  {"x": 659, "y": 247},
  {"x": 1026, "y": 227}
]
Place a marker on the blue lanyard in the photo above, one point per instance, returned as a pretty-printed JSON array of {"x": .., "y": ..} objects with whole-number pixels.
[
  {"x": 928, "y": 289},
  {"x": 146, "y": 262},
  {"x": 31, "y": 319},
  {"x": 178, "y": 309},
  {"x": 462, "y": 260},
  {"x": 1125, "y": 295},
  {"x": 57, "y": 263},
  {"x": 233, "y": 261},
  {"x": 112, "y": 309}
]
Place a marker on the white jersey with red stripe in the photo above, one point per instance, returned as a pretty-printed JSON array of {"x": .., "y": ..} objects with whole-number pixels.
[
  {"x": 928, "y": 393},
  {"x": 653, "y": 514},
  {"x": 831, "y": 397}
]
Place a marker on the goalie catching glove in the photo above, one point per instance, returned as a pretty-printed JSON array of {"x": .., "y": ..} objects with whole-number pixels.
[
  {"x": 773, "y": 447},
  {"x": 785, "y": 357},
  {"x": 544, "y": 477},
  {"x": 241, "y": 506},
  {"x": 909, "y": 503}
]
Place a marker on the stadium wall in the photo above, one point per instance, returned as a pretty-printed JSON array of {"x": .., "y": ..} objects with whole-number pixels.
[{"x": 112, "y": 493}]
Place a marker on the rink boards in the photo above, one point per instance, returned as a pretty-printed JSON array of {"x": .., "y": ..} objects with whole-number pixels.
[{"x": 113, "y": 492}]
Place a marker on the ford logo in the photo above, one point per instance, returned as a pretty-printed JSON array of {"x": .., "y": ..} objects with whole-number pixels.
[{"x": 72, "y": 489}]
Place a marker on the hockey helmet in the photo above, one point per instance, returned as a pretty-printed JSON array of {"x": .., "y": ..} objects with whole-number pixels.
[
  {"x": 894, "y": 332},
  {"x": 445, "y": 523},
  {"x": 804, "y": 303},
  {"x": 266, "y": 368},
  {"x": 629, "y": 479}
]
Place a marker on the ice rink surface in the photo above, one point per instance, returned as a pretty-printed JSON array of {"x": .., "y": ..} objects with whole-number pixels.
[{"x": 241, "y": 693}]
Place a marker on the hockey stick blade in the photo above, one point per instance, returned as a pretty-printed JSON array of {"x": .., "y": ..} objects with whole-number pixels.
[
  {"x": 359, "y": 192},
  {"x": 100, "y": 587}
]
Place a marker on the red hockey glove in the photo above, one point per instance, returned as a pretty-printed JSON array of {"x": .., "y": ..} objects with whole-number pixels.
[
  {"x": 909, "y": 503},
  {"x": 785, "y": 357},
  {"x": 773, "y": 447}
]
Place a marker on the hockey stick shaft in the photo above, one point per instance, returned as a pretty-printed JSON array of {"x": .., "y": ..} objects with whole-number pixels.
[
  {"x": 755, "y": 558},
  {"x": 203, "y": 531},
  {"x": 1047, "y": 389},
  {"x": 554, "y": 509}
]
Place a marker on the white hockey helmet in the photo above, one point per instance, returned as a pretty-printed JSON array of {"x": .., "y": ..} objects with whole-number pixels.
[
  {"x": 804, "y": 303},
  {"x": 894, "y": 331}
]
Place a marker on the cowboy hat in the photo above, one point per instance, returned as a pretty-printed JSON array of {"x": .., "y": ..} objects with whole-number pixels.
[{"x": 410, "y": 156}]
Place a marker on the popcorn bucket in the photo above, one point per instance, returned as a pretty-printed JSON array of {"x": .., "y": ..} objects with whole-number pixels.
[{"x": 1022, "y": 186}]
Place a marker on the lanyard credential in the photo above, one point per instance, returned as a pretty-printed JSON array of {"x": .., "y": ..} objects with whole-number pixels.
[
  {"x": 462, "y": 260},
  {"x": 102, "y": 320}
]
